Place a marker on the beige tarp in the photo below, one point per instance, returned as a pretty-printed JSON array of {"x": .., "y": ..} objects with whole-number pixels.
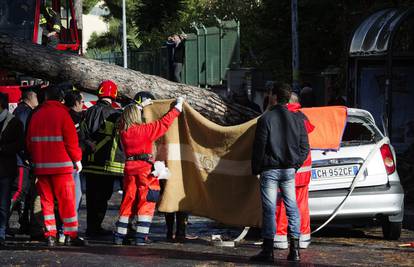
[{"x": 210, "y": 166}]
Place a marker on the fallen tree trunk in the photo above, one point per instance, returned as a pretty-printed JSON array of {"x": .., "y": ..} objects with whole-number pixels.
[{"x": 86, "y": 74}]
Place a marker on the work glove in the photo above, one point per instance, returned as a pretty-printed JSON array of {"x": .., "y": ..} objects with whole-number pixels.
[
  {"x": 160, "y": 171},
  {"x": 78, "y": 166},
  {"x": 144, "y": 103},
  {"x": 179, "y": 103}
]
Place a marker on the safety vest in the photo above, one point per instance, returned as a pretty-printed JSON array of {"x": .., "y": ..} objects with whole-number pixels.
[{"x": 108, "y": 157}]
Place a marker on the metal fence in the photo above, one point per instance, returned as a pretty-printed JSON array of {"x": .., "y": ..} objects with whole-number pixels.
[{"x": 209, "y": 53}]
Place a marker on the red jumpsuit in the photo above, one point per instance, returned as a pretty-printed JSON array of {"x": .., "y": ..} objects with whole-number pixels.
[
  {"x": 302, "y": 180},
  {"x": 141, "y": 189},
  {"x": 52, "y": 142}
]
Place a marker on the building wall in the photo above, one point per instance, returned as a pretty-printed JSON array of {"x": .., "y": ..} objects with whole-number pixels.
[{"x": 93, "y": 22}]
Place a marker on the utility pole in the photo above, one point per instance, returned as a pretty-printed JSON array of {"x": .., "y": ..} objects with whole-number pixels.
[
  {"x": 124, "y": 33},
  {"x": 295, "y": 46}
]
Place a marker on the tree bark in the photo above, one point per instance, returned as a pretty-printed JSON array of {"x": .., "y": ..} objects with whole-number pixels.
[
  {"x": 86, "y": 74},
  {"x": 78, "y": 13}
]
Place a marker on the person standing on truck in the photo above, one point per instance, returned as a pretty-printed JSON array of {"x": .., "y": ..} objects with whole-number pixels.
[
  {"x": 280, "y": 147},
  {"x": 52, "y": 143},
  {"x": 51, "y": 26},
  {"x": 104, "y": 158},
  {"x": 302, "y": 179},
  {"x": 141, "y": 188},
  {"x": 11, "y": 142}
]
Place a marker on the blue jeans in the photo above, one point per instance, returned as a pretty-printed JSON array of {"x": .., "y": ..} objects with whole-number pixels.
[
  {"x": 270, "y": 181},
  {"x": 78, "y": 190},
  {"x": 5, "y": 199}
]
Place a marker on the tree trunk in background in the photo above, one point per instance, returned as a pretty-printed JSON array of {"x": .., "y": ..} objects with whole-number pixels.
[
  {"x": 78, "y": 13},
  {"x": 86, "y": 74}
]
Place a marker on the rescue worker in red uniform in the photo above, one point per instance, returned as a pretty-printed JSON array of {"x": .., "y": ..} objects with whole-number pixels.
[
  {"x": 302, "y": 179},
  {"x": 52, "y": 143},
  {"x": 141, "y": 188}
]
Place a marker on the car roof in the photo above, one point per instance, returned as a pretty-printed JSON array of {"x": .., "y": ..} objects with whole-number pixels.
[{"x": 360, "y": 113}]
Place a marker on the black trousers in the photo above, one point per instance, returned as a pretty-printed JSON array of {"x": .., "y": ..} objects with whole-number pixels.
[
  {"x": 180, "y": 218},
  {"x": 5, "y": 191},
  {"x": 99, "y": 190},
  {"x": 177, "y": 69}
]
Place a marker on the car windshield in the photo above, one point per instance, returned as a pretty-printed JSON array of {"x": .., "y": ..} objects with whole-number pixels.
[{"x": 359, "y": 131}]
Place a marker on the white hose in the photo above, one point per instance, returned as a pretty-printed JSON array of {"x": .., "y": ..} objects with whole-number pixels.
[{"x": 361, "y": 171}]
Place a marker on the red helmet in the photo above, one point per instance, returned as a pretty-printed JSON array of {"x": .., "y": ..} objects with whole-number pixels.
[{"x": 108, "y": 89}]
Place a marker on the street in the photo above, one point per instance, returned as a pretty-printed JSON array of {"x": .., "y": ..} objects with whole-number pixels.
[{"x": 337, "y": 245}]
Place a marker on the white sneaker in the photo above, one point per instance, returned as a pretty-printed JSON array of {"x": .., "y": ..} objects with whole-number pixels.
[
  {"x": 61, "y": 239},
  {"x": 304, "y": 243}
]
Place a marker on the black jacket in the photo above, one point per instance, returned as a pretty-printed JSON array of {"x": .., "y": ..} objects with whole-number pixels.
[
  {"x": 179, "y": 52},
  {"x": 11, "y": 142},
  {"x": 22, "y": 112},
  {"x": 100, "y": 126},
  {"x": 281, "y": 141}
]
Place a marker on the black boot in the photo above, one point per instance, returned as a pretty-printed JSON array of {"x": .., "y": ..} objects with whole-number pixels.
[
  {"x": 294, "y": 254},
  {"x": 76, "y": 241},
  {"x": 181, "y": 226},
  {"x": 266, "y": 255}
]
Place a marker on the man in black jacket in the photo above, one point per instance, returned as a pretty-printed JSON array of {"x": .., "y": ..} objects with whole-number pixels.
[
  {"x": 11, "y": 142},
  {"x": 22, "y": 193},
  {"x": 280, "y": 148}
]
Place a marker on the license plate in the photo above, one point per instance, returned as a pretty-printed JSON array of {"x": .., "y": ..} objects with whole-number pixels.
[{"x": 335, "y": 172}]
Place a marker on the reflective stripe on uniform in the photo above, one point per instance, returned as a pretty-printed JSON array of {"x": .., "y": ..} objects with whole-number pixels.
[
  {"x": 71, "y": 219},
  {"x": 52, "y": 138},
  {"x": 143, "y": 230},
  {"x": 70, "y": 229},
  {"x": 56, "y": 27},
  {"x": 85, "y": 170},
  {"x": 121, "y": 230},
  {"x": 305, "y": 237},
  {"x": 49, "y": 217},
  {"x": 144, "y": 218},
  {"x": 304, "y": 169},
  {"x": 103, "y": 169},
  {"x": 123, "y": 219},
  {"x": 50, "y": 227},
  {"x": 280, "y": 238},
  {"x": 54, "y": 164}
]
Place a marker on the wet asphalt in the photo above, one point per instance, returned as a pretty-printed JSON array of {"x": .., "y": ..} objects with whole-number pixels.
[{"x": 336, "y": 245}]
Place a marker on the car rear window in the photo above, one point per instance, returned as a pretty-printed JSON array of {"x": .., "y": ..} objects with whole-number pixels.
[{"x": 360, "y": 131}]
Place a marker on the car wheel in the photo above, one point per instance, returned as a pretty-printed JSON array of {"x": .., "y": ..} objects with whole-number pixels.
[{"x": 391, "y": 230}]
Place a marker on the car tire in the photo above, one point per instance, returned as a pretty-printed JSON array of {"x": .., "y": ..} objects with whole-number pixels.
[{"x": 391, "y": 230}]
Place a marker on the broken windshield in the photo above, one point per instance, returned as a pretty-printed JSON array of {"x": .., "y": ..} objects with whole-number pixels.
[{"x": 360, "y": 131}]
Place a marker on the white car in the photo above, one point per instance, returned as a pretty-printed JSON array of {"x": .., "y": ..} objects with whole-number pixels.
[{"x": 378, "y": 193}]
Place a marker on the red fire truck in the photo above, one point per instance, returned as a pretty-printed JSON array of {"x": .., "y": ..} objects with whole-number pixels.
[{"x": 21, "y": 18}]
